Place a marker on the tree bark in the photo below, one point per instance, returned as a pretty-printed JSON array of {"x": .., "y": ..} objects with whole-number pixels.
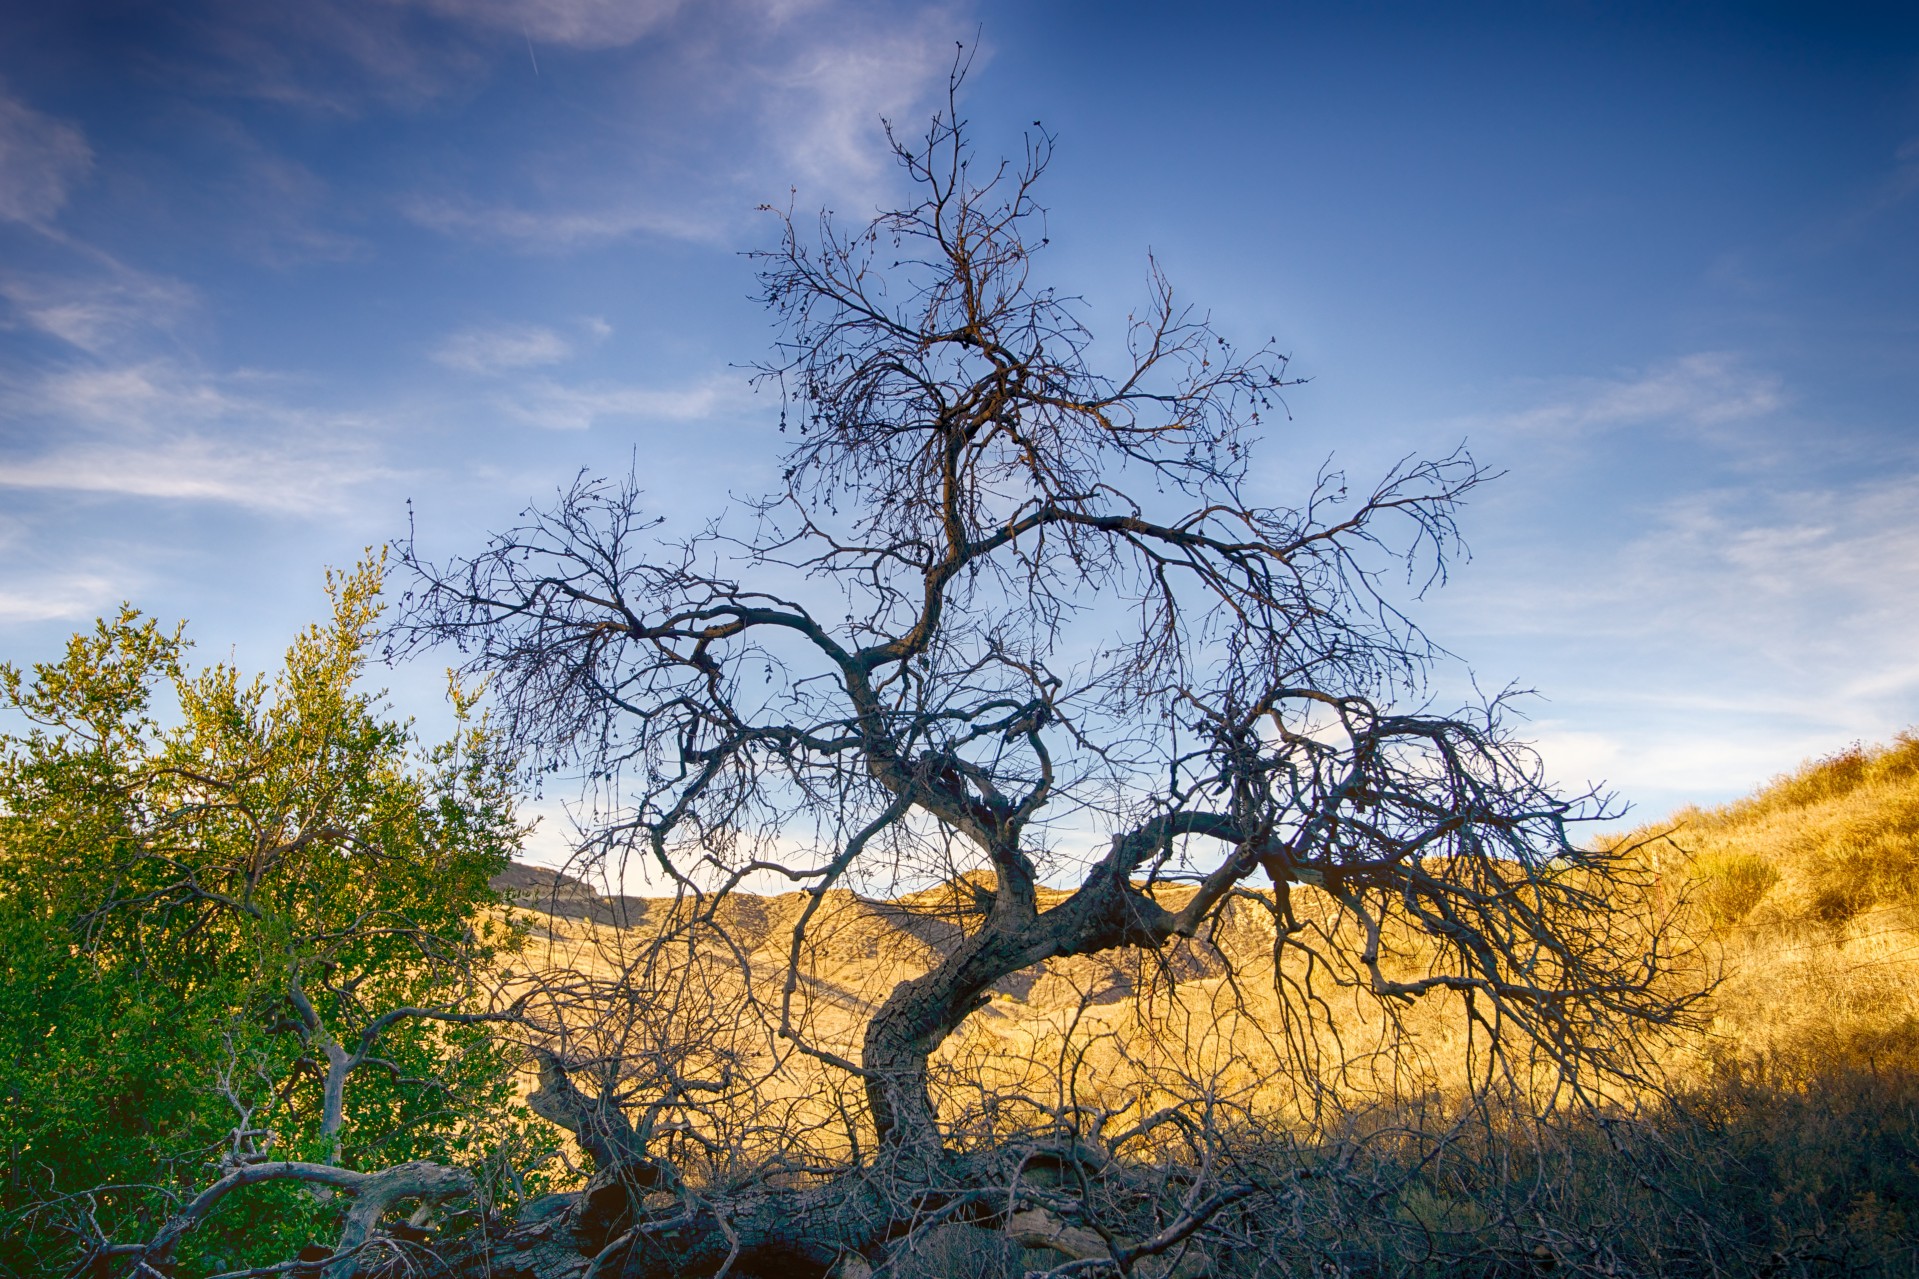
[
  {"x": 1106, "y": 912},
  {"x": 374, "y": 1193},
  {"x": 771, "y": 1230}
]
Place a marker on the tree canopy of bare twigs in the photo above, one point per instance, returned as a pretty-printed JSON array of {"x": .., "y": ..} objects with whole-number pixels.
[{"x": 1021, "y": 611}]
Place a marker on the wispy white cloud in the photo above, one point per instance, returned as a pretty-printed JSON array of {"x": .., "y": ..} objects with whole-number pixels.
[
  {"x": 100, "y": 308},
  {"x": 338, "y": 57},
  {"x": 75, "y": 291},
  {"x": 1824, "y": 581},
  {"x": 40, "y": 161},
  {"x": 554, "y": 230},
  {"x": 500, "y": 349},
  {"x": 155, "y": 430},
  {"x": 556, "y": 406},
  {"x": 1744, "y": 628},
  {"x": 193, "y": 468},
  {"x": 51, "y": 599},
  {"x": 1692, "y": 644},
  {"x": 729, "y": 107},
  {"x": 277, "y": 208},
  {"x": 1805, "y": 576},
  {"x": 1705, "y": 389},
  {"x": 827, "y": 99},
  {"x": 577, "y": 24},
  {"x": 40, "y": 584},
  {"x": 1666, "y": 762},
  {"x": 329, "y": 57},
  {"x": 1898, "y": 185}
]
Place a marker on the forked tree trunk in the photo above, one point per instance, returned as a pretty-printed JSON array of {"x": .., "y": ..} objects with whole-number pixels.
[
  {"x": 1106, "y": 912},
  {"x": 909, "y": 1028}
]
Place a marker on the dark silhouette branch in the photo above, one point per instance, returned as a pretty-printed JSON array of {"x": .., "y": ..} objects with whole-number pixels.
[{"x": 1006, "y": 593}]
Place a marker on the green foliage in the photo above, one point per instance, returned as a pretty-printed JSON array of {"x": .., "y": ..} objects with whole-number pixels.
[{"x": 199, "y": 908}]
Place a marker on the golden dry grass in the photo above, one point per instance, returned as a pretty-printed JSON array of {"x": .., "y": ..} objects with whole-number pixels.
[
  {"x": 1807, "y": 896},
  {"x": 1787, "y": 1145},
  {"x": 1803, "y": 899}
]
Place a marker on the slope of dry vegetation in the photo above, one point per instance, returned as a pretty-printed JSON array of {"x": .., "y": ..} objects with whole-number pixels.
[
  {"x": 1790, "y": 1145},
  {"x": 1810, "y": 890},
  {"x": 1117, "y": 1031}
]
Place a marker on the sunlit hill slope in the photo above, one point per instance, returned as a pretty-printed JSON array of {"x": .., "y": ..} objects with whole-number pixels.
[
  {"x": 1790, "y": 1144},
  {"x": 1809, "y": 894}
]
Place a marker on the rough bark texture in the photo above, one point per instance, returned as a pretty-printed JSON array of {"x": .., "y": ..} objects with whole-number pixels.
[
  {"x": 854, "y": 1224},
  {"x": 374, "y": 1194}
]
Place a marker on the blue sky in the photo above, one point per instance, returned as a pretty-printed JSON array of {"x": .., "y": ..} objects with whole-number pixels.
[{"x": 268, "y": 272}]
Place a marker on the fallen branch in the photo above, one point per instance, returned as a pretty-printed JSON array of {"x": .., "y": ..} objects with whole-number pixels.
[
  {"x": 1039, "y": 1228},
  {"x": 374, "y": 1193}
]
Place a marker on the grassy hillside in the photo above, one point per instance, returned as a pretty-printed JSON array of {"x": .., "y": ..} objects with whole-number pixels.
[
  {"x": 1788, "y": 1144},
  {"x": 1808, "y": 893},
  {"x": 1799, "y": 1110},
  {"x": 1832, "y": 844}
]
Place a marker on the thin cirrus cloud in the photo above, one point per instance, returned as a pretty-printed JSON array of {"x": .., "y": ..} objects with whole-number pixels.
[
  {"x": 1704, "y": 389},
  {"x": 1797, "y": 579},
  {"x": 1708, "y": 603},
  {"x": 323, "y": 57},
  {"x": 823, "y": 103},
  {"x": 574, "y": 24},
  {"x": 153, "y": 430},
  {"x": 344, "y": 59},
  {"x": 1899, "y": 184},
  {"x": 557, "y": 406},
  {"x": 52, "y": 599},
  {"x": 761, "y": 97},
  {"x": 1813, "y": 579},
  {"x": 122, "y": 422},
  {"x": 280, "y": 212},
  {"x": 42, "y": 587},
  {"x": 556, "y": 230},
  {"x": 1669, "y": 764},
  {"x": 98, "y": 309},
  {"x": 96, "y": 300},
  {"x": 498, "y": 350},
  {"x": 1741, "y": 624},
  {"x": 41, "y": 160},
  {"x": 191, "y": 468}
]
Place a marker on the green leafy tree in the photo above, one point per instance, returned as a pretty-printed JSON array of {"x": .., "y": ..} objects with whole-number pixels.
[{"x": 245, "y": 927}]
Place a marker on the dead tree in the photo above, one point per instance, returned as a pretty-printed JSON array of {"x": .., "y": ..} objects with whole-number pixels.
[{"x": 1024, "y": 610}]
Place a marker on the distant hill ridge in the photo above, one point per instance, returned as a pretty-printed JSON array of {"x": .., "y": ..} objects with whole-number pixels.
[
  {"x": 859, "y": 946},
  {"x": 555, "y": 893}
]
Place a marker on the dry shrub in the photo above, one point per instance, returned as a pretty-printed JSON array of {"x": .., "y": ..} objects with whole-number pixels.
[
  {"x": 1788, "y": 1168},
  {"x": 1732, "y": 884}
]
